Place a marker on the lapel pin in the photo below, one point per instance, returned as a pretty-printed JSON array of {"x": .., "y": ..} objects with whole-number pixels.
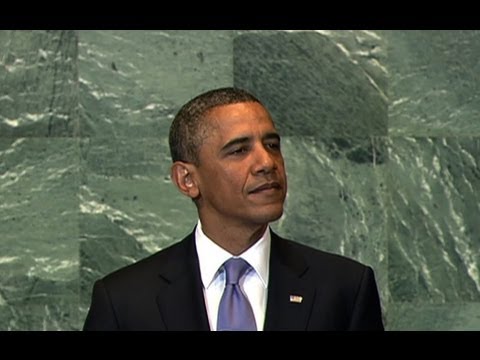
[{"x": 296, "y": 299}]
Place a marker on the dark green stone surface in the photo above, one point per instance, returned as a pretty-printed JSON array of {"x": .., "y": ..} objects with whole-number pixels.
[
  {"x": 381, "y": 138},
  {"x": 433, "y": 211},
  {"x": 434, "y": 82},
  {"x": 39, "y": 83},
  {"x": 310, "y": 85}
]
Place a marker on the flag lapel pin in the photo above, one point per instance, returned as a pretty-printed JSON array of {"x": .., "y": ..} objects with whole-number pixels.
[{"x": 296, "y": 299}]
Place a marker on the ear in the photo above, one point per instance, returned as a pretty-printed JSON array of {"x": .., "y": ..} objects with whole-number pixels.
[{"x": 183, "y": 176}]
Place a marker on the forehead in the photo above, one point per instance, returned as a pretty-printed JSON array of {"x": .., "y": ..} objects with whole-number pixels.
[{"x": 246, "y": 116}]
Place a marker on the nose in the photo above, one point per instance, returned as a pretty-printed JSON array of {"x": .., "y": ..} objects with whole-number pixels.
[{"x": 265, "y": 161}]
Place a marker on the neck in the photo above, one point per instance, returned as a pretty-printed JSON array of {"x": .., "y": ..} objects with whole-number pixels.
[{"x": 234, "y": 239}]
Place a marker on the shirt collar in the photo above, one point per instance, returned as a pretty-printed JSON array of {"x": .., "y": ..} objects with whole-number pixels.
[{"x": 211, "y": 256}]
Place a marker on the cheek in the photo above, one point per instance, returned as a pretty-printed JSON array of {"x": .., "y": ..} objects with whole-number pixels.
[
  {"x": 281, "y": 166},
  {"x": 220, "y": 180},
  {"x": 234, "y": 178}
]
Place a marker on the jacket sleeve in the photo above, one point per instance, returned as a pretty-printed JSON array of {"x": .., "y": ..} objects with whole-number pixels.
[
  {"x": 101, "y": 315},
  {"x": 367, "y": 312}
]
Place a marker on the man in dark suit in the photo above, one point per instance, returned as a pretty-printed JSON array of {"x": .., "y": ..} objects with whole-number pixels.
[{"x": 227, "y": 158}]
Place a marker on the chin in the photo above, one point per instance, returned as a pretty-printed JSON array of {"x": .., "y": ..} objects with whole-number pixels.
[{"x": 272, "y": 215}]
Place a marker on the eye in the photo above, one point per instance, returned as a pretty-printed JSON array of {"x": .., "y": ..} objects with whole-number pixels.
[
  {"x": 273, "y": 145},
  {"x": 239, "y": 151}
]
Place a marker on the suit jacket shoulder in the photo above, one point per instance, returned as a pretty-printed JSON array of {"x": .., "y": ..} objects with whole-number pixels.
[
  {"x": 318, "y": 261},
  {"x": 310, "y": 289},
  {"x": 161, "y": 292}
]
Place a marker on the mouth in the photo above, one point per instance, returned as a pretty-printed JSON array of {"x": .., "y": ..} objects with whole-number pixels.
[{"x": 270, "y": 186}]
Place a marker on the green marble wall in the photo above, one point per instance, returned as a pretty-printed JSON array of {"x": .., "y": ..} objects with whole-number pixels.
[{"x": 381, "y": 138}]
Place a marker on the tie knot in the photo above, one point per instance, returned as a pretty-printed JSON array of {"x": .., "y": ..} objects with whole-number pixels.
[{"x": 235, "y": 268}]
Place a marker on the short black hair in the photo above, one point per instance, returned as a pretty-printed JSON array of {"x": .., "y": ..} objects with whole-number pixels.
[{"x": 188, "y": 129}]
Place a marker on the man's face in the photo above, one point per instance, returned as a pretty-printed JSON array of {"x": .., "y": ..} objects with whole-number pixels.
[{"x": 241, "y": 174}]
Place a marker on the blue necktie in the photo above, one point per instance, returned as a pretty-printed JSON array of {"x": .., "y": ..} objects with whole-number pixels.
[{"x": 235, "y": 312}]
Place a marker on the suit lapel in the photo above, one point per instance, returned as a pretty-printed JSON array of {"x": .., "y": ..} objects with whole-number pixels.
[
  {"x": 180, "y": 297},
  {"x": 290, "y": 295}
]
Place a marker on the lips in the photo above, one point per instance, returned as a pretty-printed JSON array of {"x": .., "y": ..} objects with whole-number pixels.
[{"x": 266, "y": 186}]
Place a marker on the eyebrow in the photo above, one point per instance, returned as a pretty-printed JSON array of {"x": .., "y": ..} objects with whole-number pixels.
[{"x": 246, "y": 139}]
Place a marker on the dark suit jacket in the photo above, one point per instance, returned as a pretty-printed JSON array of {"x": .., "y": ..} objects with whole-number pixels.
[{"x": 164, "y": 292}]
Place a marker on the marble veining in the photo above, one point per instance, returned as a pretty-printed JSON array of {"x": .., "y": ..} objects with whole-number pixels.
[{"x": 380, "y": 135}]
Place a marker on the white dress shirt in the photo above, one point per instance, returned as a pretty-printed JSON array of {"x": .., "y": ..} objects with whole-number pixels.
[{"x": 254, "y": 283}]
